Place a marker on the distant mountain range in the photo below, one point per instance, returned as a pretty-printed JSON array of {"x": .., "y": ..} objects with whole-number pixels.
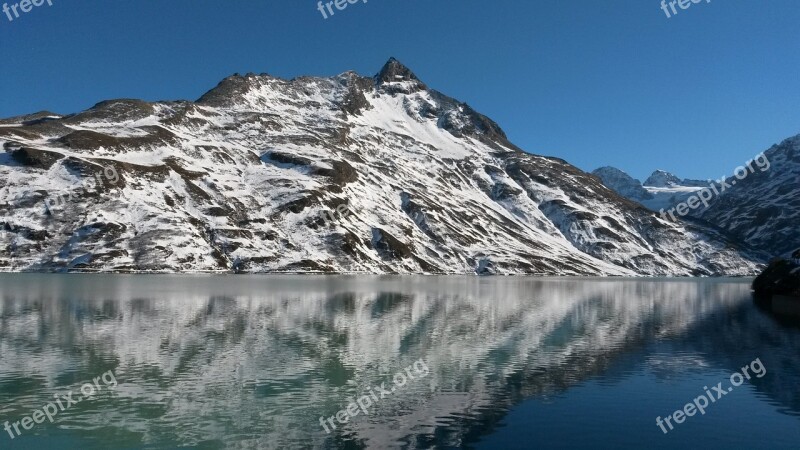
[
  {"x": 347, "y": 174},
  {"x": 761, "y": 210},
  {"x": 662, "y": 179},
  {"x": 661, "y": 190}
]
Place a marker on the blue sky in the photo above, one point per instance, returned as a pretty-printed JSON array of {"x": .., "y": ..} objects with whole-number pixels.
[{"x": 611, "y": 82}]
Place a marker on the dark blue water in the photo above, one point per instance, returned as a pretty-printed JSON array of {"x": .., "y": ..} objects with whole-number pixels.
[{"x": 256, "y": 362}]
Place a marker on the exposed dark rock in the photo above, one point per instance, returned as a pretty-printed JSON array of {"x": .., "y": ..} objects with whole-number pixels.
[
  {"x": 39, "y": 159},
  {"x": 355, "y": 100},
  {"x": 286, "y": 158},
  {"x": 114, "y": 111},
  {"x": 781, "y": 277},
  {"x": 88, "y": 140},
  {"x": 394, "y": 71},
  {"x": 388, "y": 246}
]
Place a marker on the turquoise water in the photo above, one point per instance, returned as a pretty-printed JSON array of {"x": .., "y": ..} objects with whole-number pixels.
[{"x": 489, "y": 362}]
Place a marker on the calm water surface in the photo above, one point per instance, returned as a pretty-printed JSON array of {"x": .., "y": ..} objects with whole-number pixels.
[{"x": 254, "y": 362}]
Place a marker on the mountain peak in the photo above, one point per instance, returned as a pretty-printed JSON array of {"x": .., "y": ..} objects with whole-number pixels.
[
  {"x": 624, "y": 184},
  {"x": 394, "y": 71},
  {"x": 662, "y": 178}
]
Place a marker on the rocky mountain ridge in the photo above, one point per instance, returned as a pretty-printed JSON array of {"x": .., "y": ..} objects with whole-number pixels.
[
  {"x": 663, "y": 179},
  {"x": 348, "y": 174}
]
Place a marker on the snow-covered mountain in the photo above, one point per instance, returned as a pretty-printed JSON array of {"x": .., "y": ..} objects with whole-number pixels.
[
  {"x": 664, "y": 179},
  {"x": 661, "y": 190},
  {"x": 343, "y": 174},
  {"x": 624, "y": 184},
  {"x": 763, "y": 209},
  {"x": 661, "y": 178}
]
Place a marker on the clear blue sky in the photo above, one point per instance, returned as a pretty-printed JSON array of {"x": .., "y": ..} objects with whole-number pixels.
[{"x": 596, "y": 82}]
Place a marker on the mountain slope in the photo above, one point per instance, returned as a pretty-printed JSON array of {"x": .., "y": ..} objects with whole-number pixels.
[
  {"x": 344, "y": 174},
  {"x": 763, "y": 209}
]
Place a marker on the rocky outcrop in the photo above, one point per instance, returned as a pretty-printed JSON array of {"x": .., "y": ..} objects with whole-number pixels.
[{"x": 781, "y": 277}]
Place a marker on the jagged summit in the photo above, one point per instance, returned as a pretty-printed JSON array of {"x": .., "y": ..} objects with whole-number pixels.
[
  {"x": 394, "y": 71},
  {"x": 662, "y": 178},
  {"x": 233, "y": 88}
]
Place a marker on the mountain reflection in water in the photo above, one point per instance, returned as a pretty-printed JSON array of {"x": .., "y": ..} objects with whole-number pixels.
[{"x": 255, "y": 361}]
